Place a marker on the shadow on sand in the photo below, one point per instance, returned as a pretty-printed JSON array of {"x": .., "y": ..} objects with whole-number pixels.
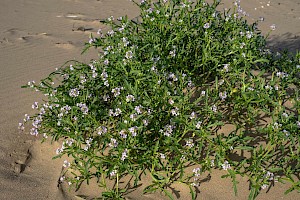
[{"x": 287, "y": 41}]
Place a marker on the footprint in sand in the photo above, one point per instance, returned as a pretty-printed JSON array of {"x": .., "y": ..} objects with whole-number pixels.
[
  {"x": 81, "y": 22},
  {"x": 65, "y": 45},
  {"x": 22, "y": 162},
  {"x": 34, "y": 36},
  {"x": 16, "y": 35}
]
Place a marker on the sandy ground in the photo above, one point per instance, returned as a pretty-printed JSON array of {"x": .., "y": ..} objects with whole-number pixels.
[{"x": 36, "y": 36}]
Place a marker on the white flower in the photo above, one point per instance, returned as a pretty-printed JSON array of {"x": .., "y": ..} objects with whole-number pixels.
[
  {"x": 91, "y": 40},
  {"x": 31, "y": 84},
  {"x": 118, "y": 112},
  {"x": 66, "y": 76},
  {"x": 106, "y": 62},
  {"x": 173, "y": 77},
  {"x": 124, "y": 155},
  {"x": 60, "y": 150},
  {"x": 130, "y": 98},
  {"x": 226, "y": 165},
  {"x": 221, "y": 82},
  {"x": 69, "y": 142},
  {"x": 189, "y": 143},
  {"x": 168, "y": 129},
  {"x": 195, "y": 184},
  {"x": 138, "y": 109},
  {"x": 182, "y": 158},
  {"x": 83, "y": 107},
  {"x": 74, "y": 92},
  {"x": 104, "y": 75},
  {"x": 212, "y": 163},
  {"x": 153, "y": 68},
  {"x": 125, "y": 41},
  {"x": 145, "y": 122},
  {"x": 173, "y": 53},
  {"x": 113, "y": 173},
  {"x": 34, "y": 131},
  {"x": 113, "y": 143},
  {"x": 193, "y": 115},
  {"x": 198, "y": 125},
  {"x": 175, "y": 112},
  {"x": 133, "y": 131},
  {"x": 171, "y": 102},
  {"x": 197, "y": 171},
  {"x": 150, "y": 10},
  {"x": 35, "y": 105},
  {"x": 101, "y": 130},
  {"x": 82, "y": 79},
  {"x": 214, "y": 108},
  {"x": 133, "y": 117},
  {"x": 273, "y": 27},
  {"x": 123, "y": 134},
  {"x": 285, "y": 115},
  {"x": 111, "y": 32},
  {"x": 95, "y": 74},
  {"x": 286, "y": 133},
  {"x": 162, "y": 156},
  {"x": 116, "y": 91},
  {"x": 298, "y": 66},
  {"x": 269, "y": 176},
  {"x": 106, "y": 83},
  {"x": 249, "y": 34},
  {"x": 108, "y": 48},
  {"x": 206, "y": 25},
  {"x": 226, "y": 67},
  {"x": 21, "y": 127},
  {"x": 298, "y": 124},
  {"x": 242, "y": 45},
  {"x": 62, "y": 178},
  {"x": 111, "y": 18},
  {"x": 197, "y": 174},
  {"x": 128, "y": 54},
  {"x": 88, "y": 142},
  {"x": 122, "y": 28},
  {"x": 282, "y": 74},
  {"x": 223, "y": 95},
  {"x": 66, "y": 164},
  {"x": 276, "y": 125},
  {"x": 264, "y": 186},
  {"x": 106, "y": 97}
]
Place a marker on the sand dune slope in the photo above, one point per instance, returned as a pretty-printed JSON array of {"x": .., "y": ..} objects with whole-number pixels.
[{"x": 36, "y": 36}]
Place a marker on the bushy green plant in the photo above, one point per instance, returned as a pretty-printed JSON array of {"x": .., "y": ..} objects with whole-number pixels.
[{"x": 159, "y": 95}]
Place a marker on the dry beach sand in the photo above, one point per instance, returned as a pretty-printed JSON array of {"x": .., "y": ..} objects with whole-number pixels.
[{"x": 36, "y": 36}]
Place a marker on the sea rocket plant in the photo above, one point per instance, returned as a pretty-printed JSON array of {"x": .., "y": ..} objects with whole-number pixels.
[{"x": 159, "y": 95}]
